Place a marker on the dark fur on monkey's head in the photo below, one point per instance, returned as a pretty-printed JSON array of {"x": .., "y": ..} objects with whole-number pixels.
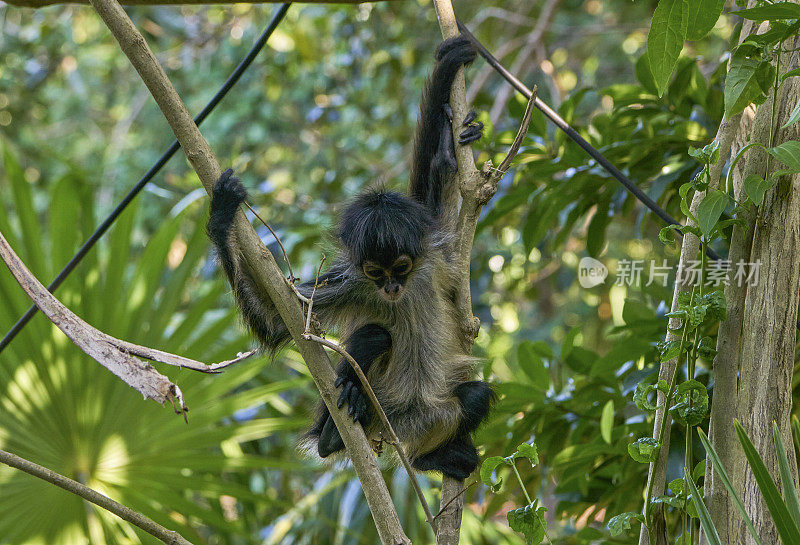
[{"x": 382, "y": 225}]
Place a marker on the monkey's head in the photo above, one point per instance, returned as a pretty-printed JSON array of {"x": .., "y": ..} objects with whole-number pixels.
[{"x": 385, "y": 234}]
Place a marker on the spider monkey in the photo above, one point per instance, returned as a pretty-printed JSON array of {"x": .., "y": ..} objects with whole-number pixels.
[{"x": 391, "y": 295}]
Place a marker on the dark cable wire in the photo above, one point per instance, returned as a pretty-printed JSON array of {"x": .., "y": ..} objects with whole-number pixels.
[
  {"x": 574, "y": 136},
  {"x": 103, "y": 227}
]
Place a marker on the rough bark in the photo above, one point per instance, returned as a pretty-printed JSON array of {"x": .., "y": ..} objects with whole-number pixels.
[
  {"x": 770, "y": 318},
  {"x": 262, "y": 265},
  {"x": 756, "y": 344}
]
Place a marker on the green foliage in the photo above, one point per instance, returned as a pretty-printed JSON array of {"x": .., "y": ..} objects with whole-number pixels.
[
  {"x": 530, "y": 522},
  {"x": 644, "y": 450},
  {"x": 785, "y": 523},
  {"x": 665, "y": 40},
  {"x": 620, "y": 523}
]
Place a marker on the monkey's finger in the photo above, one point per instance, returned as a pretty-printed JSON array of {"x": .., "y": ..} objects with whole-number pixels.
[
  {"x": 470, "y": 135},
  {"x": 470, "y": 118},
  {"x": 353, "y": 400},
  {"x": 448, "y": 111},
  {"x": 340, "y": 380},
  {"x": 344, "y": 395}
]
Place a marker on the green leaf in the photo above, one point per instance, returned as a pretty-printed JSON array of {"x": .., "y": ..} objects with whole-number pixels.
[
  {"x": 784, "y": 523},
  {"x": 726, "y": 481},
  {"x": 665, "y": 39},
  {"x": 710, "y": 210},
  {"x": 703, "y": 15},
  {"x": 705, "y": 518},
  {"x": 794, "y": 117},
  {"x": 771, "y": 12},
  {"x": 487, "y": 468},
  {"x": 790, "y": 74},
  {"x": 692, "y": 403},
  {"x": 642, "y": 393},
  {"x": 707, "y": 154},
  {"x": 644, "y": 450},
  {"x": 529, "y": 521},
  {"x": 677, "y": 486},
  {"x": 667, "y": 234},
  {"x": 533, "y": 365},
  {"x": 756, "y": 187},
  {"x": 716, "y": 305},
  {"x": 645, "y": 75},
  {"x": 747, "y": 80},
  {"x": 669, "y": 350},
  {"x": 706, "y": 348},
  {"x": 526, "y": 450},
  {"x": 619, "y": 523},
  {"x": 787, "y": 481},
  {"x": 788, "y": 153},
  {"x": 607, "y": 421}
]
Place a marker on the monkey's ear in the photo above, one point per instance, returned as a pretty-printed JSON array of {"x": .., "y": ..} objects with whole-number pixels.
[{"x": 330, "y": 440}]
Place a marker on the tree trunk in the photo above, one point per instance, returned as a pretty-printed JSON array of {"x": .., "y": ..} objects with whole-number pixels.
[{"x": 758, "y": 338}]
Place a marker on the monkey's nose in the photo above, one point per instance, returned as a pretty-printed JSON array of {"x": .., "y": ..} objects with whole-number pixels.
[{"x": 392, "y": 289}]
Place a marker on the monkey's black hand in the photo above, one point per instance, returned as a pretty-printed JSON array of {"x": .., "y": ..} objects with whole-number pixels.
[{"x": 353, "y": 396}]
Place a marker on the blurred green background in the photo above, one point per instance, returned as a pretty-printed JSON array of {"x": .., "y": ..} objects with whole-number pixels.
[{"x": 328, "y": 108}]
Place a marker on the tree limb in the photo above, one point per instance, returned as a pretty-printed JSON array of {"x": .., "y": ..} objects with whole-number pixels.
[
  {"x": 43, "y": 3},
  {"x": 261, "y": 265},
  {"x": 170, "y": 537}
]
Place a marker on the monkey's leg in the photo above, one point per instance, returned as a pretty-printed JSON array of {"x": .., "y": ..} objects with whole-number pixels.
[
  {"x": 458, "y": 458},
  {"x": 365, "y": 345},
  {"x": 476, "y": 398}
]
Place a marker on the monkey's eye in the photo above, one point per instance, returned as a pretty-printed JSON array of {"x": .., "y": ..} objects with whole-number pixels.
[
  {"x": 373, "y": 272},
  {"x": 402, "y": 266}
]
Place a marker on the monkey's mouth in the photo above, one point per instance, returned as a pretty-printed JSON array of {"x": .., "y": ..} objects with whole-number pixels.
[{"x": 391, "y": 297}]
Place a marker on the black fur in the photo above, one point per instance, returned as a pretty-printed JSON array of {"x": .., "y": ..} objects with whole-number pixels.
[
  {"x": 476, "y": 398},
  {"x": 365, "y": 345},
  {"x": 456, "y": 459},
  {"x": 434, "y": 154},
  {"x": 423, "y": 367},
  {"x": 261, "y": 317},
  {"x": 382, "y": 225}
]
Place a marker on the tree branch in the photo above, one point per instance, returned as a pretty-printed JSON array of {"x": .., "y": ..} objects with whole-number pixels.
[
  {"x": 261, "y": 265},
  {"x": 43, "y": 3},
  {"x": 114, "y": 354},
  {"x": 170, "y": 537}
]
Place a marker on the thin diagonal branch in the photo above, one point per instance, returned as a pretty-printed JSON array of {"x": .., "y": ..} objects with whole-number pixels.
[
  {"x": 170, "y": 537},
  {"x": 392, "y": 436},
  {"x": 261, "y": 266}
]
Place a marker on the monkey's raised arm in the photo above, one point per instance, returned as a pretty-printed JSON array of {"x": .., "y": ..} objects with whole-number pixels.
[
  {"x": 258, "y": 311},
  {"x": 434, "y": 161}
]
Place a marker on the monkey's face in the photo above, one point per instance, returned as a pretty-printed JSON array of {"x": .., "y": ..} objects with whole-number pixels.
[{"x": 390, "y": 280}]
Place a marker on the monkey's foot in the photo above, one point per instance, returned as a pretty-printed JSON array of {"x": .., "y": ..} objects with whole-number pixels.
[
  {"x": 456, "y": 459},
  {"x": 354, "y": 397},
  {"x": 228, "y": 191},
  {"x": 459, "y": 50},
  {"x": 473, "y": 130}
]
